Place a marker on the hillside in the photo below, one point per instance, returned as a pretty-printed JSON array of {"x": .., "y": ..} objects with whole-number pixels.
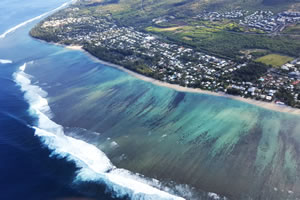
[
  {"x": 131, "y": 12},
  {"x": 194, "y": 23}
]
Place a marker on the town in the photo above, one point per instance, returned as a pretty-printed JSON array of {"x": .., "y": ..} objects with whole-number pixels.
[
  {"x": 265, "y": 21},
  {"x": 148, "y": 54}
]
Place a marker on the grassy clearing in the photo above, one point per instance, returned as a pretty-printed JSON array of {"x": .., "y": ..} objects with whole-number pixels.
[
  {"x": 185, "y": 31},
  {"x": 293, "y": 29},
  {"x": 169, "y": 29},
  {"x": 276, "y": 60},
  {"x": 250, "y": 51},
  {"x": 229, "y": 44},
  {"x": 187, "y": 38}
]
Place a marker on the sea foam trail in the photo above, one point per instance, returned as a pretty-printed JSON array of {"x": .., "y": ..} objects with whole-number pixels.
[
  {"x": 3, "y": 61},
  {"x": 93, "y": 163},
  {"x": 3, "y": 35}
]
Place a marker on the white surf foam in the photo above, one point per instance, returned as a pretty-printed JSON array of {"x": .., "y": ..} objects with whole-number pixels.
[
  {"x": 3, "y": 61},
  {"x": 11, "y": 30},
  {"x": 93, "y": 163},
  {"x": 214, "y": 196}
]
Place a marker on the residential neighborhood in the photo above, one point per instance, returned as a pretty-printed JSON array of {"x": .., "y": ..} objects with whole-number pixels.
[
  {"x": 173, "y": 63},
  {"x": 265, "y": 21}
]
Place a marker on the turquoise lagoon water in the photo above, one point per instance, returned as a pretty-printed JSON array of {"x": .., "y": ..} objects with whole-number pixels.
[{"x": 210, "y": 143}]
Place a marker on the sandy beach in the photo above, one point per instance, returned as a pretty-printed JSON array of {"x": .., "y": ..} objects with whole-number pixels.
[
  {"x": 74, "y": 47},
  {"x": 270, "y": 106}
]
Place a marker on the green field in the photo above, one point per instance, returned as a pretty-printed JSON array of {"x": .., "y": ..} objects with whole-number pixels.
[
  {"x": 216, "y": 39},
  {"x": 170, "y": 29},
  {"x": 293, "y": 29},
  {"x": 276, "y": 60}
]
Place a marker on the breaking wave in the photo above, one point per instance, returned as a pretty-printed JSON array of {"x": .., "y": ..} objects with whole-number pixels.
[
  {"x": 93, "y": 163},
  {"x": 3, "y": 61},
  {"x": 3, "y": 35}
]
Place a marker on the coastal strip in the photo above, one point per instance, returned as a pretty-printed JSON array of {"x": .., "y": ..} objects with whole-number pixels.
[
  {"x": 262, "y": 104},
  {"x": 11, "y": 30}
]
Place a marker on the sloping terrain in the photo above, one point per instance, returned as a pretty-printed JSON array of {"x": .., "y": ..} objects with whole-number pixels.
[{"x": 131, "y": 12}]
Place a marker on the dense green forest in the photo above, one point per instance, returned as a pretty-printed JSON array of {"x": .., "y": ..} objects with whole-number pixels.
[{"x": 251, "y": 72}]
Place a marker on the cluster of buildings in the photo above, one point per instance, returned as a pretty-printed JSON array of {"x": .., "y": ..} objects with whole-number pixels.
[
  {"x": 173, "y": 63},
  {"x": 289, "y": 17},
  {"x": 287, "y": 77},
  {"x": 267, "y": 86},
  {"x": 262, "y": 20},
  {"x": 214, "y": 16},
  {"x": 265, "y": 21},
  {"x": 169, "y": 61}
]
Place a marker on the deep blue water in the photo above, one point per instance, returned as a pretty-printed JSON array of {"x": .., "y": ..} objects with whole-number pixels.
[{"x": 26, "y": 169}]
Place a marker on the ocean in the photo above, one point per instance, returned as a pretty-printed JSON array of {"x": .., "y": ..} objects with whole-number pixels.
[
  {"x": 73, "y": 128},
  {"x": 26, "y": 169}
]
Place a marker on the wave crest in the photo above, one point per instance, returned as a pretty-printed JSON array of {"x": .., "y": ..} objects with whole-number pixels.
[
  {"x": 3, "y": 61},
  {"x": 93, "y": 163}
]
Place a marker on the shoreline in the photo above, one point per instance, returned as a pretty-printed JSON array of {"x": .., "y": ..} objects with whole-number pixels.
[{"x": 262, "y": 104}]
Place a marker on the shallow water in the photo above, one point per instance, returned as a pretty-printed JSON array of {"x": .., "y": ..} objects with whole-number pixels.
[{"x": 212, "y": 143}]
